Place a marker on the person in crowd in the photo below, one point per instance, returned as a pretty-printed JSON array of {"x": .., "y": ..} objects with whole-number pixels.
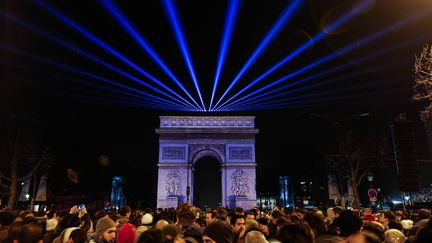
[
  {"x": 170, "y": 233},
  {"x": 237, "y": 222},
  {"x": 125, "y": 213},
  {"x": 105, "y": 231},
  {"x": 186, "y": 216},
  {"x": 296, "y": 232},
  {"x": 349, "y": 223},
  {"x": 394, "y": 236},
  {"x": 73, "y": 222},
  {"x": 334, "y": 226},
  {"x": 218, "y": 232},
  {"x": 255, "y": 236},
  {"x": 146, "y": 224},
  {"x": 151, "y": 236},
  {"x": 386, "y": 217},
  {"x": 126, "y": 234},
  {"x": 423, "y": 216},
  {"x": 78, "y": 236},
  {"x": 263, "y": 224},
  {"x": 29, "y": 233},
  {"x": 7, "y": 217},
  {"x": 363, "y": 237},
  {"x": 211, "y": 216},
  {"x": 424, "y": 234},
  {"x": 161, "y": 224},
  {"x": 367, "y": 214},
  {"x": 319, "y": 228}
]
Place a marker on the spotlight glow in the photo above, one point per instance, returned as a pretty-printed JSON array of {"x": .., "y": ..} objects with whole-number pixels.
[
  {"x": 181, "y": 40},
  {"x": 127, "y": 25},
  {"x": 227, "y": 34},
  {"x": 337, "y": 53},
  {"x": 288, "y": 12},
  {"x": 76, "y": 70},
  {"x": 103, "y": 45},
  {"x": 301, "y": 49}
]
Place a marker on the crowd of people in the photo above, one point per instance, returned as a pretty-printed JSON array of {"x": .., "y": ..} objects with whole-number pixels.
[{"x": 190, "y": 224}]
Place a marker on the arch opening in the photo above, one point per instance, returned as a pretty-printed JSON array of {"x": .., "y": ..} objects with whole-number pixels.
[{"x": 207, "y": 182}]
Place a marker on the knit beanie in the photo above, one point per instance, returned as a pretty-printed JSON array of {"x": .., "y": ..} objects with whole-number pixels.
[
  {"x": 126, "y": 234},
  {"x": 103, "y": 225},
  {"x": 220, "y": 232}
]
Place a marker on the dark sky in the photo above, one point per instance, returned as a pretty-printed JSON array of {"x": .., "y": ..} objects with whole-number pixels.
[{"x": 84, "y": 124}]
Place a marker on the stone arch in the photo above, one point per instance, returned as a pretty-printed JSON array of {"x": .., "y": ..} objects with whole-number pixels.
[
  {"x": 185, "y": 140},
  {"x": 204, "y": 151}
]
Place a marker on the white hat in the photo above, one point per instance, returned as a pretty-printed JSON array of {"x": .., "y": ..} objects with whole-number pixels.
[
  {"x": 407, "y": 224},
  {"x": 147, "y": 219}
]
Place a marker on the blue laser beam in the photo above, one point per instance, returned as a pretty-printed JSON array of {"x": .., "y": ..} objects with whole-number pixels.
[
  {"x": 268, "y": 95},
  {"x": 226, "y": 38},
  {"x": 91, "y": 57},
  {"x": 95, "y": 86},
  {"x": 143, "y": 43},
  {"x": 304, "y": 47},
  {"x": 341, "y": 51},
  {"x": 174, "y": 20},
  {"x": 317, "y": 102},
  {"x": 103, "y": 45},
  {"x": 112, "y": 101},
  {"x": 82, "y": 72},
  {"x": 322, "y": 93},
  {"x": 277, "y": 26}
]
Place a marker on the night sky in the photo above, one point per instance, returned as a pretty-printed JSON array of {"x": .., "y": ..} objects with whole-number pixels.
[{"x": 85, "y": 121}]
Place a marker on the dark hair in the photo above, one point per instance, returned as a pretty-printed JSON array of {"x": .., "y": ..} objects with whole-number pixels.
[
  {"x": 234, "y": 218},
  {"x": 296, "y": 232},
  {"x": 337, "y": 209},
  {"x": 374, "y": 228},
  {"x": 14, "y": 229},
  {"x": 316, "y": 222},
  {"x": 7, "y": 217},
  {"x": 151, "y": 236},
  {"x": 30, "y": 233},
  {"x": 186, "y": 213},
  {"x": 124, "y": 210},
  {"x": 424, "y": 214},
  {"x": 50, "y": 214},
  {"x": 78, "y": 236},
  {"x": 349, "y": 222},
  {"x": 371, "y": 237},
  {"x": 389, "y": 215}
]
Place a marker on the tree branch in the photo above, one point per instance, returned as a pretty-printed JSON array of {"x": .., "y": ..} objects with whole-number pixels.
[{"x": 35, "y": 168}]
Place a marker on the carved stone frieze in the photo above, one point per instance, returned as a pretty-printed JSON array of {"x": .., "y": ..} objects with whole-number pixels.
[
  {"x": 173, "y": 183},
  {"x": 240, "y": 183}
]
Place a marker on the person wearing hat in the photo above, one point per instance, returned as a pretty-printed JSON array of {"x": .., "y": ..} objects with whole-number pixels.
[
  {"x": 126, "y": 234},
  {"x": 218, "y": 232},
  {"x": 105, "y": 231},
  {"x": 146, "y": 224}
]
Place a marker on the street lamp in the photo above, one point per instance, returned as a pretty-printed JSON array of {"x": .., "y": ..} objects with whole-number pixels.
[{"x": 370, "y": 177}]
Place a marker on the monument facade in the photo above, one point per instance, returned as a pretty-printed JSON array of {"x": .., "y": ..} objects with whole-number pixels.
[{"x": 184, "y": 140}]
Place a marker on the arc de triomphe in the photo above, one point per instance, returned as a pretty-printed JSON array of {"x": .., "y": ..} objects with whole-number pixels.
[{"x": 183, "y": 140}]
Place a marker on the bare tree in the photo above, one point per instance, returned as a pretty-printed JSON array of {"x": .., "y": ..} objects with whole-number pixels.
[
  {"x": 356, "y": 158},
  {"x": 423, "y": 81},
  {"x": 20, "y": 157}
]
